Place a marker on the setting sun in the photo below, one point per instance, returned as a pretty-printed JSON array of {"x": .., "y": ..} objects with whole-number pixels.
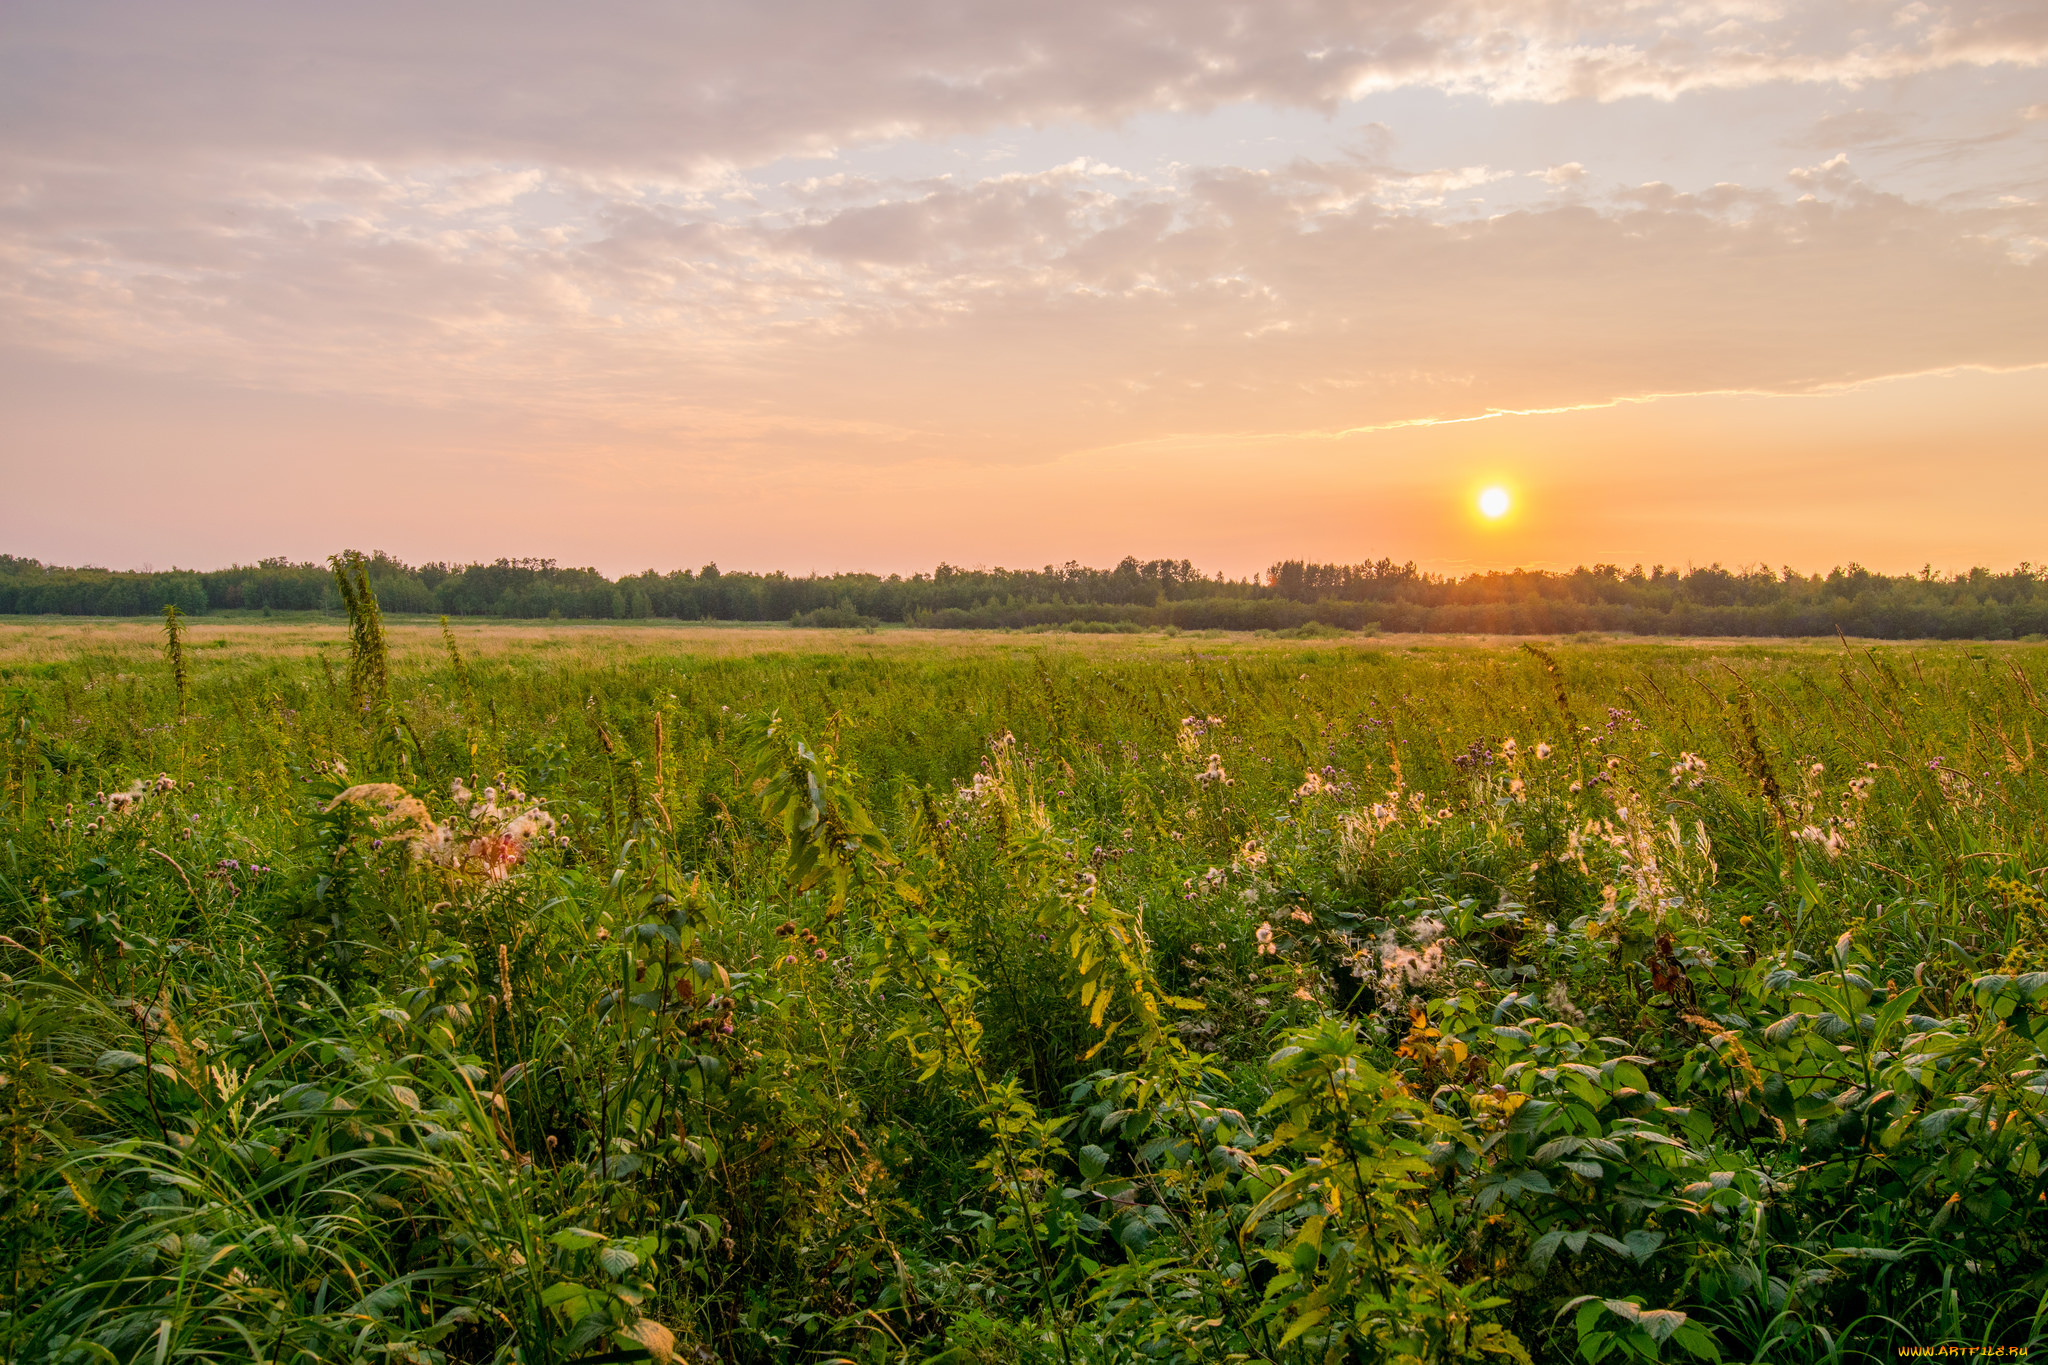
[{"x": 1493, "y": 503}]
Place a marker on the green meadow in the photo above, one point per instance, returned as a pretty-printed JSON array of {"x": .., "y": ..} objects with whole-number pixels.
[{"x": 541, "y": 992}]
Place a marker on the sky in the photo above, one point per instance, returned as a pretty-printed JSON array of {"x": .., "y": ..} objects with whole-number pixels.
[{"x": 818, "y": 285}]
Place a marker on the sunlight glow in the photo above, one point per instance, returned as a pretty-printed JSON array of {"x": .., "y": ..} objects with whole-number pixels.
[{"x": 1493, "y": 503}]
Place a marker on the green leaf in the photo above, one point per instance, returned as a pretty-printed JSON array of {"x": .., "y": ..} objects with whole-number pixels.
[
  {"x": 1303, "y": 1324},
  {"x": 1544, "y": 1248},
  {"x": 1643, "y": 1242},
  {"x": 588, "y": 1329},
  {"x": 1698, "y": 1340}
]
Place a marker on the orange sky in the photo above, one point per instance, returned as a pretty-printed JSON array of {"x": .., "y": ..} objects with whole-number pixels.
[{"x": 1017, "y": 284}]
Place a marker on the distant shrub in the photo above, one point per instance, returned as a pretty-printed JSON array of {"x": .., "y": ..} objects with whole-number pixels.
[{"x": 841, "y": 617}]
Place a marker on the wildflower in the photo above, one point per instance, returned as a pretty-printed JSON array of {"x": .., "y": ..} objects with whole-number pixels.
[
  {"x": 1264, "y": 935},
  {"x": 1301, "y": 993},
  {"x": 1559, "y": 1002},
  {"x": 1542, "y": 749},
  {"x": 790, "y": 960},
  {"x": 818, "y": 953},
  {"x": 1507, "y": 749},
  {"x": 1477, "y": 755},
  {"x": 1302, "y": 916},
  {"x": 1313, "y": 785},
  {"x": 1690, "y": 770},
  {"x": 495, "y": 855}
]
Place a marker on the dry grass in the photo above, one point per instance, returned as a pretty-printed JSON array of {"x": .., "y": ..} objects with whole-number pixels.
[{"x": 44, "y": 639}]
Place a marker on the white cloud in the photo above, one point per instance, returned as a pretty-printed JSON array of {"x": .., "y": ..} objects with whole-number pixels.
[
  {"x": 571, "y": 213},
  {"x": 663, "y": 83},
  {"x": 1020, "y": 315}
]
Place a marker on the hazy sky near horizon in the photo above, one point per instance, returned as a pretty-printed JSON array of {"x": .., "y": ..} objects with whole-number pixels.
[{"x": 816, "y": 285}]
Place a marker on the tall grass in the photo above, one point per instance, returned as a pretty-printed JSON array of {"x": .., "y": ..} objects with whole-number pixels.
[{"x": 1076, "y": 1001}]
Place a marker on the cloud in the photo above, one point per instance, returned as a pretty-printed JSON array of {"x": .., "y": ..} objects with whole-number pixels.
[
  {"x": 575, "y": 216},
  {"x": 682, "y": 84},
  {"x": 1017, "y": 316},
  {"x": 1853, "y": 128}
]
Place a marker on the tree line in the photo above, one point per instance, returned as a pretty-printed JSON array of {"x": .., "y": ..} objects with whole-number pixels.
[{"x": 1135, "y": 594}]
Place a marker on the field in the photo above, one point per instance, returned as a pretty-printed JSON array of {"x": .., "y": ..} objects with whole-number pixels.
[{"x": 550, "y": 992}]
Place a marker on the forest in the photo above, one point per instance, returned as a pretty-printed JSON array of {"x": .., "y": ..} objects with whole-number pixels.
[{"x": 1134, "y": 595}]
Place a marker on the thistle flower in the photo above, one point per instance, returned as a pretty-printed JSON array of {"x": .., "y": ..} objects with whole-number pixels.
[{"x": 1313, "y": 784}]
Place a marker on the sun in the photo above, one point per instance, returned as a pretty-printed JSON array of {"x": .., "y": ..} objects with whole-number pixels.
[{"x": 1494, "y": 503}]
